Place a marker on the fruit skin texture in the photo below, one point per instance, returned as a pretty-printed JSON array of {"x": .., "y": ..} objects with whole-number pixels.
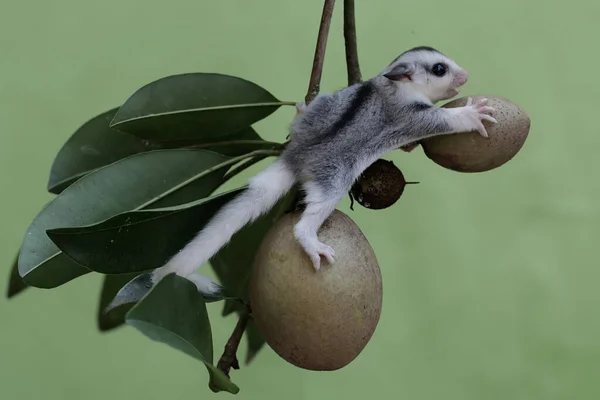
[
  {"x": 318, "y": 321},
  {"x": 469, "y": 151}
]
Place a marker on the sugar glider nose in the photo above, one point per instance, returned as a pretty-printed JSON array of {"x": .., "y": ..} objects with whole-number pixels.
[{"x": 462, "y": 77}]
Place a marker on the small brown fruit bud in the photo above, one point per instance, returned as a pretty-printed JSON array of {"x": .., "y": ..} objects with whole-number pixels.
[{"x": 379, "y": 186}]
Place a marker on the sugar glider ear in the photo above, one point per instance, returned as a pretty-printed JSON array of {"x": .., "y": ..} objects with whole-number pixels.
[{"x": 400, "y": 72}]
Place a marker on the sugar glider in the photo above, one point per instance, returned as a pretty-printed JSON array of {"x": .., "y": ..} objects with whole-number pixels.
[{"x": 333, "y": 140}]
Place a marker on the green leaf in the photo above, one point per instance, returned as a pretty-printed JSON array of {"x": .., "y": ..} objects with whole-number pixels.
[
  {"x": 93, "y": 145},
  {"x": 174, "y": 313},
  {"x": 240, "y": 147},
  {"x": 255, "y": 341},
  {"x": 234, "y": 145},
  {"x": 135, "y": 289},
  {"x": 131, "y": 292},
  {"x": 239, "y": 143},
  {"x": 202, "y": 106},
  {"x": 112, "y": 284},
  {"x": 15, "y": 284},
  {"x": 136, "y": 182},
  {"x": 122, "y": 244},
  {"x": 233, "y": 263}
]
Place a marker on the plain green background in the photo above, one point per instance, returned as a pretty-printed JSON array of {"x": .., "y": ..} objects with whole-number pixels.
[{"x": 490, "y": 280}]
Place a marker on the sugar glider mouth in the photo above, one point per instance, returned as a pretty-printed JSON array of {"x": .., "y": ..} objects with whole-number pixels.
[{"x": 451, "y": 93}]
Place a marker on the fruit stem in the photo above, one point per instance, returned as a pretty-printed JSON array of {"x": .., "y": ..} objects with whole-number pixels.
[
  {"x": 229, "y": 358},
  {"x": 317, "y": 69},
  {"x": 352, "y": 65},
  {"x": 411, "y": 183}
]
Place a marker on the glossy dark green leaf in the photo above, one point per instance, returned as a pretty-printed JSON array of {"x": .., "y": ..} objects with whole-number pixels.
[
  {"x": 195, "y": 105},
  {"x": 239, "y": 143},
  {"x": 93, "y": 145},
  {"x": 233, "y": 263},
  {"x": 174, "y": 313},
  {"x": 255, "y": 341},
  {"x": 112, "y": 284},
  {"x": 135, "y": 289},
  {"x": 235, "y": 144},
  {"x": 239, "y": 148},
  {"x": 16, "y": 284},
  {"x": 140, "y": 181},
  {"x": 122, "y": 244},
  {"x": 131, "y": 292}
]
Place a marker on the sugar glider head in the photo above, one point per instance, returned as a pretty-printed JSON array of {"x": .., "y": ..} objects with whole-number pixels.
[{"x": 427, "y": 71}]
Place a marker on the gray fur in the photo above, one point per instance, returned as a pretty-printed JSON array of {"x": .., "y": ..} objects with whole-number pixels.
[
  {"x": 337, "y": 136},
  {"x": 364, "y": 121},
  {"x": 338, "y": 131}
]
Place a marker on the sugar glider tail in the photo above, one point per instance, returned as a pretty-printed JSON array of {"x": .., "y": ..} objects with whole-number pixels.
[{"x": 263, "y": 192}]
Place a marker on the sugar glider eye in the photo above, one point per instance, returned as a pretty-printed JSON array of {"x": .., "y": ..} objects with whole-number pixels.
[{"x": 439, "y": 69}]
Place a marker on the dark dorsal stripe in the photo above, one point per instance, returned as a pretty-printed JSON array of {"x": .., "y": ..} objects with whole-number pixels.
[
  {"x": 419, "y": 106},
  {"x": 361, "y": 96}
]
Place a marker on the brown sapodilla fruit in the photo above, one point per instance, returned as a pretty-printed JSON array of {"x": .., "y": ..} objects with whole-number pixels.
[
  {"x": 471, "y": 152},
  {"x": 316, "y": 320}
]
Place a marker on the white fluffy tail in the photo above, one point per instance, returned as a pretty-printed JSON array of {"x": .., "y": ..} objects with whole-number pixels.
[{"x": 263, "y": 192}]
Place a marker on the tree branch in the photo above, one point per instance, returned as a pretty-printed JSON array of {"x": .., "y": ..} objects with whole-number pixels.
[
  {"x": 229, "y": 358},
  {"x": 352, "y": 65},
  {"x": 317, "y": 69}
]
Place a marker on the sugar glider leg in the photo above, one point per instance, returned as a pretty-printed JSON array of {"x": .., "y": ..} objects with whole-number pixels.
[{"x": 319, "y": 206}]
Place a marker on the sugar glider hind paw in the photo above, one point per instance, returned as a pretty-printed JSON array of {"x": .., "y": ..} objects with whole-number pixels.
[
  {"x": 327, "y": 252},
  {"x": 209, "y": 289},
  {"x": 321, "y": 250}
]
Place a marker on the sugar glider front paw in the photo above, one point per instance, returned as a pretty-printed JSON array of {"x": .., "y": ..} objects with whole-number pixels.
[{"x": 476, "y": 113}]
